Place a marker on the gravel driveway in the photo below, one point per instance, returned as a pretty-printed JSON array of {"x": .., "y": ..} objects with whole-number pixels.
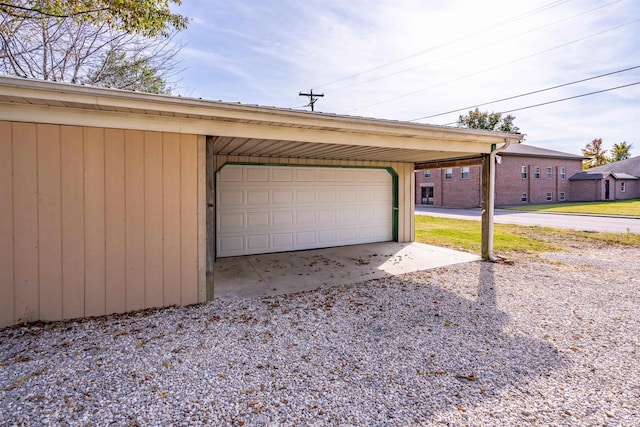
[{"x": 550, "y": 340}]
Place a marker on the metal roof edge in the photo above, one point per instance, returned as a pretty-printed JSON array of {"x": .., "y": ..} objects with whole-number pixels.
[{"x": 91, "y": 97}]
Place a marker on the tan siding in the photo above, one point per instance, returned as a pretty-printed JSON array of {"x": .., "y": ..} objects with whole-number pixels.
[
  {"x": 202, "y": 218},
  {"x": 171, "y": 211},
  {"x": 153, "y": 219},
  {"x": 7, "y": 306},
  {"x": 49, "y": 222},
  {"x": 189, "y": 219},
  {"x": 115, "y": 221},
  {"x": 134, "y": 214},
  {"x": 72, "y": 176},
  {"x": 96, "y": 221},
  {"x": 25, "y": 226},
  {"x": 94, "y": 218}
]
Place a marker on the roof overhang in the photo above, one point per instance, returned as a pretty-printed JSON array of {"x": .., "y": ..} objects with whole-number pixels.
[{"x": 244, "y": 130}]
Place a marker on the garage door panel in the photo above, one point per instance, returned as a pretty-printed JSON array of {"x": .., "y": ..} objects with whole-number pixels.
[
  {"x": 326, "y": 196},
  {"x": 230, "y": 197},
  {"x": 306, "y": 239},
  {"x": 281, "y": 218},
  {"x": 263, "y": 209},
  {"x": 327, "y": 217},
  {"x": 258, "y": 242},
  {"x": 305, "y": 175},
  {"x": 257, "y": 219},
  {"x": 257, "y": 174},
  {"x": 326, "y": 175},
  {"x": 282, "y": 174},
  {"x": 327, "y": 236},
  {"x": 232, "y": 220},
  {"x": 305, "y": 195},
  {"x": 230, "y": 175},
  {"x": 282, "y": 197},
  {"x": 256, "y": 196}
]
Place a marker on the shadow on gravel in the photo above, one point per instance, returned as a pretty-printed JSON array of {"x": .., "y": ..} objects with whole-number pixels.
[
  {"x": 474, "y": 361},
  {"x": 422, "y": 348}
]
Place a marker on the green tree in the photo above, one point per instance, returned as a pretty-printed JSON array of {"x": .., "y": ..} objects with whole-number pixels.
[
  {"x": 73, "y": 50},
  {"x": 144, "y": 17},
  {"x": 597, "y": 156},
  {"x": 621, "y": 151},
  {"x": 477, "y": 119},
  {"x": 124, "y": 71}
]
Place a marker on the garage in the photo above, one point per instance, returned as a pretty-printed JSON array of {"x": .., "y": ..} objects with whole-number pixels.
[
  {"x": 278, "y": 208},
  {"x": 114, "y": 201}
]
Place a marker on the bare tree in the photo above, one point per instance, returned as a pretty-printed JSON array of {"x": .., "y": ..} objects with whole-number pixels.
[{"x": 69, "y": 50}]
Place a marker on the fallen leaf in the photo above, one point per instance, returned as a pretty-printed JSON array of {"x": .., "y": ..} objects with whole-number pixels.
[
  {"x": 469, "y": 377},
  {"x": 253, "y": 403}
]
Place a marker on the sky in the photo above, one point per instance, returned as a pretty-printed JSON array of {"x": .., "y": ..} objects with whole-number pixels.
[{"x": 410, "y": 59}]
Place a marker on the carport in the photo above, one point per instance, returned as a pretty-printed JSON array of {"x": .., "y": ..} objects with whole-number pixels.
[{"x": 113, "y": 201}]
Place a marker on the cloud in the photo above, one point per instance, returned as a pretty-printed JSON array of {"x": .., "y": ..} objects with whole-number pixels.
[{"x": 410, "y": 58}]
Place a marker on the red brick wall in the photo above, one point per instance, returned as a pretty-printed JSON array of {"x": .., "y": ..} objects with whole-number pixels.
[
  {"x": 455, "y": 192},
  {"x": 465, "y": 193},
  {"x": 585, "y": 191},
  {"x": 631, "y": 190},
  {"x": 510, "y": 185}
]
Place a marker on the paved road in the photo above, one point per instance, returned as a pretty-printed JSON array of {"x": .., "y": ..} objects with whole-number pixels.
[{"x": 572, "y": 222}]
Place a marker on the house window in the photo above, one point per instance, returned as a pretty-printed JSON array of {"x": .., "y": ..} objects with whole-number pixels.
[
  {"x": 536, "y": 172},
  {"x": 563, "y": 196},
  {"x": 523, "y": 172},
  {"x": 464, "y": 172},
  {"x": 427, "y": 174},
  {"x": 549, "y": 173},
  {"x": 563, "y": 173},
  {"x": 623, "y": 187},
  {"x": 549, "y": 197},
  {"x": 448, "y": 173},
  {"x": 524, "y": 197}
]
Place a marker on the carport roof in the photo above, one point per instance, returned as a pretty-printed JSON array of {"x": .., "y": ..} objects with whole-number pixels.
[{"x": 244, "y": 130}]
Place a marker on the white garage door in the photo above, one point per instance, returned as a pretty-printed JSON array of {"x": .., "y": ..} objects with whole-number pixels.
[{"x": 261, "y": 209}]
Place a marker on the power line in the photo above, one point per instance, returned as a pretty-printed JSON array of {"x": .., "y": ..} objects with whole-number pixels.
[
  {"x": 559, "y": 100},
  {"x": 441, "y": 45},
  {"x": 494, "y": 67},
  {"x": 525, "y": 94},
  {"x": 475, "y": 48}
]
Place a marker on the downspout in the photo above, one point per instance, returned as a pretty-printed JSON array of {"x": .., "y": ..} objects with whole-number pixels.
[{"x": 491, "y": 196}]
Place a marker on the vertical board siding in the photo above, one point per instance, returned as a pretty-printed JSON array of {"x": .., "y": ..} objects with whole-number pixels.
[
  {"x": 49, "y": 222},
  {"x": 114, "y": 221},
  {"x": 134, "y": 219},
  {"x": 72, "y": 191},
  {"x": 189, "y": 219},
  {"x": 171, "y": 210},
  {"x": 202, "y": 218},
  {"x": 153, "y": 293},
  {"x": 25, "y": 223},
  {"x": 7, "y": 291},
  {"x": 95, "y": 222}
]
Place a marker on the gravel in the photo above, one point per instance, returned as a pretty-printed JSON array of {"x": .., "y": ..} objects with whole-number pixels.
[{"x": 551, "y": 339}]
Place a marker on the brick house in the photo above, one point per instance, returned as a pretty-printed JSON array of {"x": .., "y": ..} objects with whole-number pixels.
[
  {"x": 524, "y": 175},
  {"x": 613, "y": 181}
]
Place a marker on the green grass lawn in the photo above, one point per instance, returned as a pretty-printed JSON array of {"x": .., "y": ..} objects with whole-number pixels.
[
  {"x": 466, "y": 235},
  {"x": 618, "y": 207}
]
